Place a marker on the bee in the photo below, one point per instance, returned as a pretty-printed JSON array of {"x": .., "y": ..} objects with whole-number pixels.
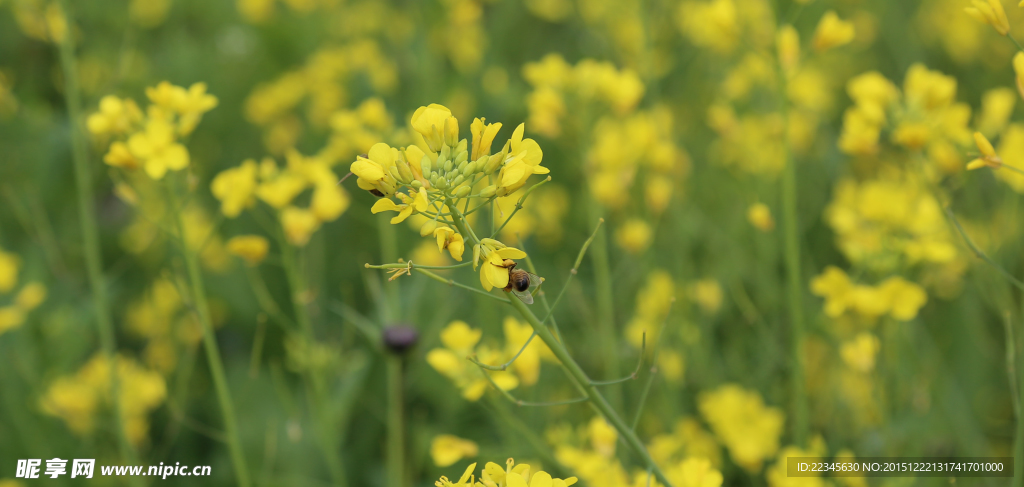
[{"x": 520, "y": 282}]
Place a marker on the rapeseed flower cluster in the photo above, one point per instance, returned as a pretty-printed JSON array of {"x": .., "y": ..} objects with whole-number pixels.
[
  {"x": 26, "y": 299},
  {"x": 443, "y": 171},
  {"x": 239, "y": 189},
  {"x": 689, "y": 454},
  {"x": 748, "y": 429},
  {"x": 889, "y": 222},
  {"x": 628, "y": 148},
  {"x": 895, "y": 296},
  {"x": 560, "y": 88},
  {"x": 493, "y": 475},
  {"x": 445, "y": 450},
  {"x": 460, "y": 342},
  {"x": 161, "y": 318},
  {"x": 78, "y": 398},
  {"x": 758, "y": 141},
  {"x": 653, "y": 303},
  {"x": 152, "y": 140},
  {"x": 925, "y": 116},
  {"x": 322, "y": 87}
]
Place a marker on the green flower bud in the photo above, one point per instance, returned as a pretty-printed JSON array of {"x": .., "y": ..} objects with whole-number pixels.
[
  {"x": 494, "y": 163},
  {"x": 442, "y": 183},
  {"x": 416, "y": 184},
  {"x": 488, "y": 191},
  {"x": 428, "y": 228},
  {"x": 458, "y": 180},
  {"x": 445, "y": 153},
  {"x": 434, "y": 179},
  {"x": 469, "y": 168},
  {"x": 405, "y": 172},
  {"x": 425, "y": 164},
  {"x": 447, "y": 166},
  {"x": 451, "y": 131},
  {"x": 394, "y": 172},
  {"x": 462, "y": 146},
  {"x": 461, "y": 157},
  {"x": 462, "y": 192}
]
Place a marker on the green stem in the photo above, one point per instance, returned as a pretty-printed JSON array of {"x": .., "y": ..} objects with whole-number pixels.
[
  {"x": 220, "y": 383},
  {"x": 396, "y": 424},
  {"x": 1014, "y": 364},
  {"x": 389, "y": 252},
  {"x": 327, "y": 435},
  {"x": 583, "y": 383},
  {"x": 90, "y": 232},
  {"x": 794, "y": 290},
  {"x": 606, "y": 309}
]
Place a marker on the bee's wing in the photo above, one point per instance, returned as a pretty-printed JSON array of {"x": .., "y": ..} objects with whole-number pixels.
[
  {"x": 524, "y": 296},
  {"x": 535, "y": 282}
]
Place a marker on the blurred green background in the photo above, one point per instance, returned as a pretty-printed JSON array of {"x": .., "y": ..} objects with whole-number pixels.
[{"x": 672, "y": 120}]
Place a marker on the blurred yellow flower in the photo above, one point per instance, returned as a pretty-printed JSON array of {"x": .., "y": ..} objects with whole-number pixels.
[
  {"x": 990, "y": 12},
  {"x": 9, "y": 264},
  {"x": 787, "y": 42},
  {"x": 30, "y": 296},
  {"x": 832, "y": 32},
  {"x": 527, "y": 366},
  {"x": 859, "y": 353},
  {"x": 235, "y": 188},
  {"x": 895, "y": 296},
  {"x": 156, "y": 147},
  {"x": 988, "y": 158},
  {"x": 251, "y": 248},
  {"x": 148, "y": 13},
  {"x": 760, "y": 216},
  {"x": 460, "y": 341},
  {"x": 634, "y": 235},
  {"x": 997, "y": 106},
  {"x": 445, "y": 450},
  {"x": 653, "y": 303},
  {"x": 707, "y": 293},
  {"x": 77, "y": 398},
  {"x": 299, "y": 225},
  {"x": 115, "y": 116},
  {"x": 749, "y": 429}
]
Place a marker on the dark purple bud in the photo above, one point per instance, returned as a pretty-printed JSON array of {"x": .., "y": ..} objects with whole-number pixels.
[{"x": 400, "y": 338}]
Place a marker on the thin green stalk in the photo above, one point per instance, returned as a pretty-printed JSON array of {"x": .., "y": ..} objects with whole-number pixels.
[
  {"x": 220, "y": 383},
  {"x": 794, "y": 289},
  {"x": 580, "y": 379},
  {"x": 315, "y": 387},
  {"x": 596, "y": 398},
  {"x": 90, "y": 231},
  {"x": 606, "y": 310},
  {"x": 1015, "y": 363},
  {"x": 389, "y": 252},
  {"x": 395, "y": 460}
]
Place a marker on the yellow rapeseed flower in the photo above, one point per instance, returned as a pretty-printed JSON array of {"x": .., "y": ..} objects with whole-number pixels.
[
  {"x": 760, "y": 216},
  {"x": 252, "y": 248},
  {"x": 235, "y": 188},
  {"x": 9, "y": 265},
  {"x": 299, "y": 225},
  {"x": 859, "y": 353},
  {"x": 832, "y": 32},
  {"x": 445, "y": 450},
  {"x": 157, "y": 148},
  {"x": 634, "y": 235},
  {"x": 990, "y": 12},
  {"x": 460, "y": 341},
  {"x": 430, "y": 121},
  {"x": 749, "y": 429},
  {"x": 988, "y": 157}
]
